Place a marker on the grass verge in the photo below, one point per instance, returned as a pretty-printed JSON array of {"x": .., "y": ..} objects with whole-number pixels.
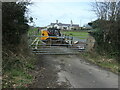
[
  {"x": 17, "y": 64},
  {"x": 102, "y": 61},
  {"x": 16, "y": 70}
]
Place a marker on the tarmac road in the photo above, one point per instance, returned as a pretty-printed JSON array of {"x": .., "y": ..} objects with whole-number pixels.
[
  {"x": 82, "y": 74},
  {"x": 72, "y": 71}
]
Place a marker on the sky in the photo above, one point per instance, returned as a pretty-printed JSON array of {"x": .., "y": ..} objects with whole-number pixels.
[{"x": 45, "y": 12}]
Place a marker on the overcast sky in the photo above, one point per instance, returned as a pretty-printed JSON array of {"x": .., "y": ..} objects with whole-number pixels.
[{"x": 48, "y": 11}]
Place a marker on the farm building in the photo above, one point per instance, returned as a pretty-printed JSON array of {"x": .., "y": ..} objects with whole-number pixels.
[{"x": 62, "y": 26}]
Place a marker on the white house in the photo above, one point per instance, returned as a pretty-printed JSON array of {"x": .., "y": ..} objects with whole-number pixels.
[{"x": 62, "y": 26}]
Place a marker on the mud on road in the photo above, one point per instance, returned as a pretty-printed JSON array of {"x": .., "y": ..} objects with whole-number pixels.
[
  {"x": 70, "y": 71},
  {"x": 46, "y": 73}
]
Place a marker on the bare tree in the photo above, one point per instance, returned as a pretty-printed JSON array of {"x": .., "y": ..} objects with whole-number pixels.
[
  {"x": 108, "y": 13},
  {"x": 107, "y": 10}
]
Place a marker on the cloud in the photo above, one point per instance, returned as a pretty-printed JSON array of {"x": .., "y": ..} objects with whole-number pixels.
[{"x": 47, "y": 12}]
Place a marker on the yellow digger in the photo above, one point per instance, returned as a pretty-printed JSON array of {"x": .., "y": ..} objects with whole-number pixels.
[
  {"x": 45, "y": 35},
  {"x": 51, "y": 34}
]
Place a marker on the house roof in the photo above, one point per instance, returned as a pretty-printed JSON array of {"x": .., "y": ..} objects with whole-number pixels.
[
  {"x": 75, "y": 25},
  {"x": 61, "y": 24}
]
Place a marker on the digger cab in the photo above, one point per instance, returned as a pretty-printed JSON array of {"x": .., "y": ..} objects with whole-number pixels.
[{"x": 50, "y": 33}]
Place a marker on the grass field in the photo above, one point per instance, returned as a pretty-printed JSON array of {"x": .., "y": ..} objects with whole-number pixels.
[
  {"x": 79, "y": 34},
  {"x": 33, "y": 31}
]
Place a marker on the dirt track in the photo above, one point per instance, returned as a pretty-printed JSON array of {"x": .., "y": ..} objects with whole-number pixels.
[{"x": 63, "y": 71}]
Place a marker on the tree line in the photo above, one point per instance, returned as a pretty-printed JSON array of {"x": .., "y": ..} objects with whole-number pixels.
[
  {"x": 107, "y": 34},
  {"x": 14, "y": 22},
  {"x": 14, "y": 27}
]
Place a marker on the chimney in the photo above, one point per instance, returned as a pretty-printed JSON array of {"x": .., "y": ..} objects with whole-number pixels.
[
  {"x": 57, "y": 21},
  {"x": 71, "y": 23}
]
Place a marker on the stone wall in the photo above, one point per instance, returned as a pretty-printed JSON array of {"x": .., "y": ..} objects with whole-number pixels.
[{"x": 90, "y": 43}]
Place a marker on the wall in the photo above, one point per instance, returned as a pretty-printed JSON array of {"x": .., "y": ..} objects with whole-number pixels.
[{"x": 90, "y": 43}]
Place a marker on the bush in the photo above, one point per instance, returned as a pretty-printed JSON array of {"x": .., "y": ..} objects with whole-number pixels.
[{"x": 107, "y": 38}]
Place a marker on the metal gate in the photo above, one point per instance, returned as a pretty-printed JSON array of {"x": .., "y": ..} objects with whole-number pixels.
[{"x": 74, "y": 45}]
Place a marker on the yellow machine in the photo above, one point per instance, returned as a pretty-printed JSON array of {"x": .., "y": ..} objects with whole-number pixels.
[
  {"x": 50, "y": 34},
  {"x": 44, "y": 34}
]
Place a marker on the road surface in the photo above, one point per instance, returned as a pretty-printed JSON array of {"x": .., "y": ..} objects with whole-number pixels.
[{"x": 71, "y": 71}]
